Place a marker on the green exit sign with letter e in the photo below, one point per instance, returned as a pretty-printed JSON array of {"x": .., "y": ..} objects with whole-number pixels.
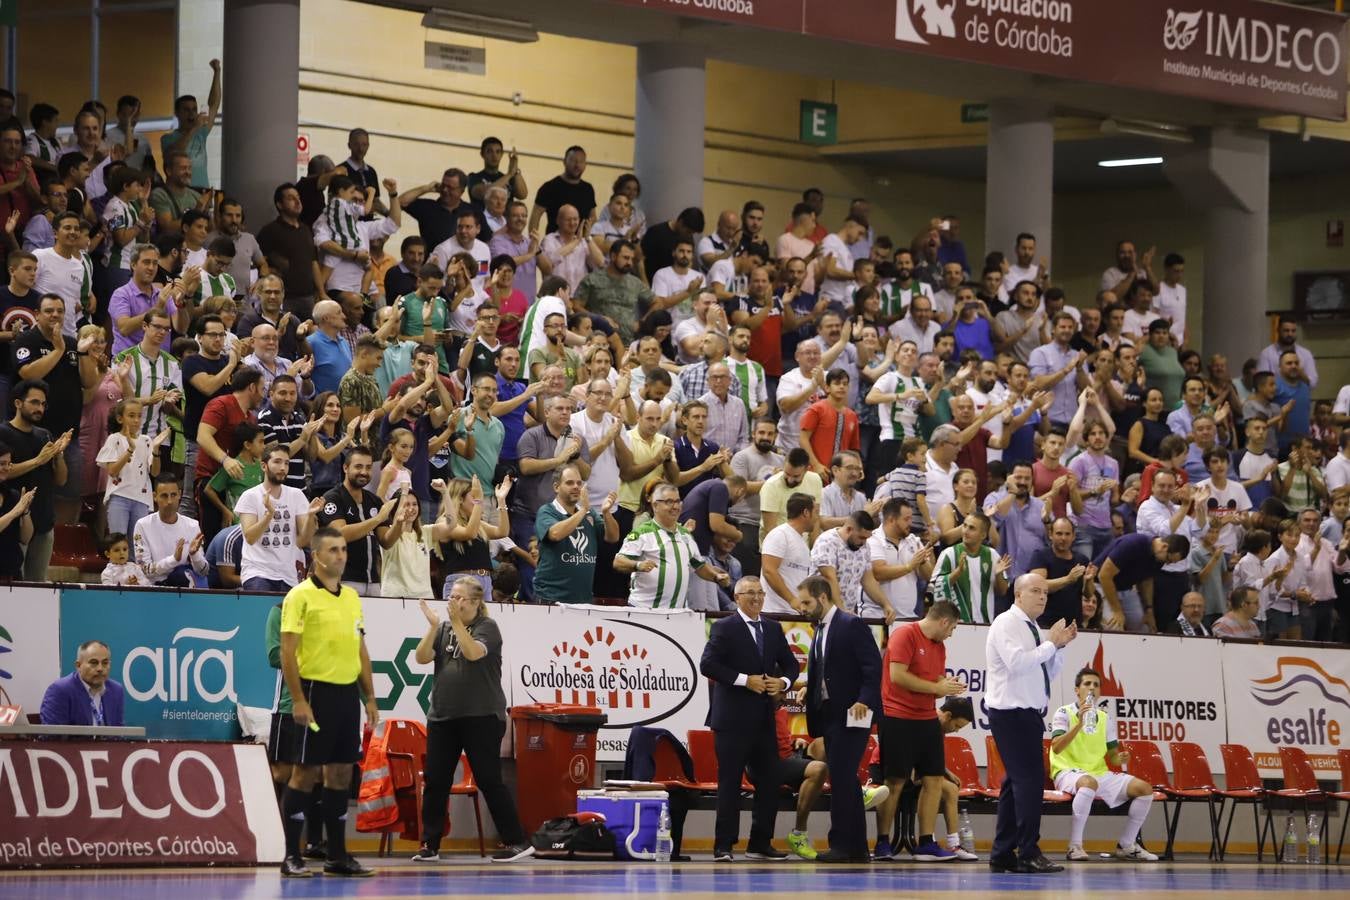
[
  {"x": 820, "y": 123},
  {"x": 974, "y": 112}
]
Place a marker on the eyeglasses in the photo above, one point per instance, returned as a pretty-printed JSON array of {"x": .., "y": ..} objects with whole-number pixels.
[
  {"x": 675, "y": 500},
  {"x": 488, "y": 318},
  {"x": 213, "y": 334},
  {"x": 750, "y": 594}
]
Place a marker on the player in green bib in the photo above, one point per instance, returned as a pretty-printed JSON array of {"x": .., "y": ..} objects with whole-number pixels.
[
  {"x": 662, "y": 557},
  {"x": 1082, "y": 740}
]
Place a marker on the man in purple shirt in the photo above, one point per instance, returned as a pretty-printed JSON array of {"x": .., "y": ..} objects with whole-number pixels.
[
  {"x": 521, "y": 246},
  {"x": 128, "y": 304}
]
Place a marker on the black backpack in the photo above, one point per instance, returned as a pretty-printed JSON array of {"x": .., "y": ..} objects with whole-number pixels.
[{"x": 578, "y": 836}]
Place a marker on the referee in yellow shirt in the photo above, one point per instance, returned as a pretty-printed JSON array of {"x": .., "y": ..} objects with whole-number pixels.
[{"x": 327, "y": 668}]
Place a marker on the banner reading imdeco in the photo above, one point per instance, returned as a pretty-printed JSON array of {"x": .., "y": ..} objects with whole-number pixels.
[{"x": 91, "y": 803}]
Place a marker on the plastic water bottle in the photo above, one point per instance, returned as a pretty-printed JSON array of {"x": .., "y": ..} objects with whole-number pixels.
[
  {"x": 1290, "y": 841},
  {"x": 664, "y": 843},
  {"x": 1090, "y": 716},
  {"x": 967, "y": 832},
  {"x": 1314, "y": 839}
]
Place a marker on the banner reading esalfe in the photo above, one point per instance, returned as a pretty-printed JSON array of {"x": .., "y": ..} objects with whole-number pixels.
[
  {"x": 1288, "y": 697},
  {"x": 111, "y": 803},
  {"x": 1242, "y": 52}
]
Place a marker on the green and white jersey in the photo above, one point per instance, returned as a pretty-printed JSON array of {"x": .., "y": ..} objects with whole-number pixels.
[
  {"x": 899, "y": 420},
  {"x": 676, "y": 557},
  {"x": 147, "y": 376},
  {"x": 117, "y": 215},
  {"x": 221, "y": 285},
  {"x": 754, "y": 389},
  {"x": 45, "y": 149},
  {"x": 895, "y": 299}
]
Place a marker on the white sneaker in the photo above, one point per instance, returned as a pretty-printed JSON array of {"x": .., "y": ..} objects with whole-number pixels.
[
  {"x": 962, "y": 854},
  {"x": 1076, "y": 853},
  {"x": 1135, "y": 854}
]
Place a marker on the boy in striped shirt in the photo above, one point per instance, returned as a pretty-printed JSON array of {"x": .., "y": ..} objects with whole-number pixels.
[
  {"x": 126, "y": 221},
  {"x": 42, "y": 146},
  {"x": 216, "y": 278},
  {"x": 662, "y": 557},
  {"x": 344, "y": 239}
]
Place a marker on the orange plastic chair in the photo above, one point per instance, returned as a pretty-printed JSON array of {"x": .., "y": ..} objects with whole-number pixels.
[
  {"x": 1343, "y": 756},
  {"x": 704, "y": 752},
  {"x": 1300, "y": 784},
  {"x": 1049, "y": 793},
  {"x": 961, "y": 760},
  {"x": 995, "y": 772},
  {"x": 1147, "y": 764},
  {"x": 1244, "y": 786},
  {"x": 1193, "y": 782},
  {"x": 468, "y": 787}
]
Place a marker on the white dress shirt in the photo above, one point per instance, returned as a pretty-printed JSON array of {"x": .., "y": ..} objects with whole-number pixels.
[
  {"x": 1155, "y": 519},
  {"x": 1013, "y": 663}
]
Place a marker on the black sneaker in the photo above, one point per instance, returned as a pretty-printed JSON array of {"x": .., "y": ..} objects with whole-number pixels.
[
  {"x": 765, "y": 853},
  {"x": 513, "y": 853},
  {"x": 722, "y": 854},
  {"x": 315, "y": 851},
  {"x": 350, "y": 867},
  {"x": 294, "y": 867},
  {"x": 426, "y": 854}
]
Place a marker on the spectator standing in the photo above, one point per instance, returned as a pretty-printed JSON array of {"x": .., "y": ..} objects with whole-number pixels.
[
  {"x": 175, "y": 197},
  {"x": 1287, "y": 340},
  {"x": 614, "y": 293},
  {"x": 129, "y": 303},
  {"x": 215, "y": 434},
  {"x": 570, "y": 530},
  {"x": 287, "y": 244},
  {"x": 366, "y": 522},
  {"x": 567, "y": 189},
  {"x": 278, "y": 523},
  {"x": 194, "y": 127},
  {"x": 332, "y": 356}
]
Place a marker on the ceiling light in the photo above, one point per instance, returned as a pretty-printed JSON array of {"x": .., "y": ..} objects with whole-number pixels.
[
  {"x": 482, "y": 26},
  {"x": 1126, "y": 163}
]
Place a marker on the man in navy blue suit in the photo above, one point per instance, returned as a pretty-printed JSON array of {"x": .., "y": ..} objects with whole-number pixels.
[
  {"x": 87, "y": 696},
  {"x": 752, "y": 668},
  {"x": 843, "y": 693}
]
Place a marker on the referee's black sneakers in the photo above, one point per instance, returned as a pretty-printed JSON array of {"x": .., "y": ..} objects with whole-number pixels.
[
  {"x": 294, "y": 867},
  {"x": 350, "y": 867}
]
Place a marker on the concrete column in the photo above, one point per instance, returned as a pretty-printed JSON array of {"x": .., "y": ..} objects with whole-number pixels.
[
  {"x": 1227, "y": 175},
  {"x": 1019, "y": 176},
  {"x": 668, "y": 147},
  {"x": 261, "y": 102}
]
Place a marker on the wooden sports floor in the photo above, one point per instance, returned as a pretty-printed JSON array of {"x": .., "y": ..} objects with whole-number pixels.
[{"x": 695, "y": 881}]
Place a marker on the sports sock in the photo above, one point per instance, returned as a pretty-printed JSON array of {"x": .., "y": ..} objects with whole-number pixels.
[
  {"x": 1082, "y": 805},
  {"x": 335, "y": 823},
  {"x": 293, "y": 804},
  {"x": 1139, "y": 808}
]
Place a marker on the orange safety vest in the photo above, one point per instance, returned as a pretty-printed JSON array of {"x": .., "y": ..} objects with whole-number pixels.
[{"x": 376, "y": 807}]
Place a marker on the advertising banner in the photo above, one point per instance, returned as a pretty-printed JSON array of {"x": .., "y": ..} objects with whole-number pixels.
[
  {"x": 640, "y": 667},
  {"x": 1242, "y": 52},
  {"x": 1159, "y": 688},
  {"x": 89, "y": 803},
  {"x": 184, "y": 659},
  {"x": 29, "y": 657},
  {"x": 1288, "y": 697}
]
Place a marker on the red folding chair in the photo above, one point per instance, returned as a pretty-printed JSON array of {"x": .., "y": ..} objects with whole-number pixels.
[
  {"x": 1300, "y": 784},
  {"x": 704, "y": 752},
  {"x": 1049, "y": 793},
  {"x": 994, "y": 771},
  {"x": 1146, "y": 764},
  {"x": 1193, "y": 782},
  {"x": 961, "y": 760},
  {"x": 1244, "y": 786},
  {"x": 1343, "y": 756},
  {"x": 468, "y": 787}
]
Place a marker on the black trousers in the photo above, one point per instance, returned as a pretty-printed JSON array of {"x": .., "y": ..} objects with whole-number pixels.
[
  {"x": 480, "y": 738},
  {"x": 1017, "y": 733},
  {"x": 844, "y": 748},
  {"x": 747, "y": 551},
  {"x": 1168, "y": 589},
  {"x": 753, "y": 747}
]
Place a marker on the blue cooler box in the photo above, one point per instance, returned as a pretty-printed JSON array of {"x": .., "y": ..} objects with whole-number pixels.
[{"x": 631, "y": 815}]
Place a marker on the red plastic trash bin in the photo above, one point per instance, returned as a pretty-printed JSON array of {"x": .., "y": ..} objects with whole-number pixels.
[{"x": 555, "y": 755}]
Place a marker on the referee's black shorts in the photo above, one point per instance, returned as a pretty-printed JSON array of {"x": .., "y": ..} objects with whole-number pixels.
[
  {"x": 283, "y": 742},
  {"x": 337, "y": 710},
  {"x": 911, "y": 746}
]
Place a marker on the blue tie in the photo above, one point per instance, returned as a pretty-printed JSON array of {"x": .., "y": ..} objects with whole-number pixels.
[
  {"x": 97, "y": 712},
  {"x": 757, "y": 628},
  {"x": 1045, "y": 673}
]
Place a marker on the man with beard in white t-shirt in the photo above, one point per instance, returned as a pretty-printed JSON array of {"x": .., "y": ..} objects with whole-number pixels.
[{"x": 278, "y": 522}]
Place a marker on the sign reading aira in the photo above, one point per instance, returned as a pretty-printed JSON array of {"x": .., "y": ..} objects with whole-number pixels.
[{"x": 1249, "y": 53}]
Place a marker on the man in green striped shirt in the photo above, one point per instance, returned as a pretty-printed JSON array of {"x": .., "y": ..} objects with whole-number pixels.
[
  {"x": 154, "y": 375},
  {"x": 662, "y": 557}
]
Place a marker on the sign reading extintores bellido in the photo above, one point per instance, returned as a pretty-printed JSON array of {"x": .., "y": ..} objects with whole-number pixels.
[{"x": 1241, "y": 52}]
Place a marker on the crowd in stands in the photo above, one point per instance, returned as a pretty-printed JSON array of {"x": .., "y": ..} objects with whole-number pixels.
[{"x": 549, "y": 393}]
